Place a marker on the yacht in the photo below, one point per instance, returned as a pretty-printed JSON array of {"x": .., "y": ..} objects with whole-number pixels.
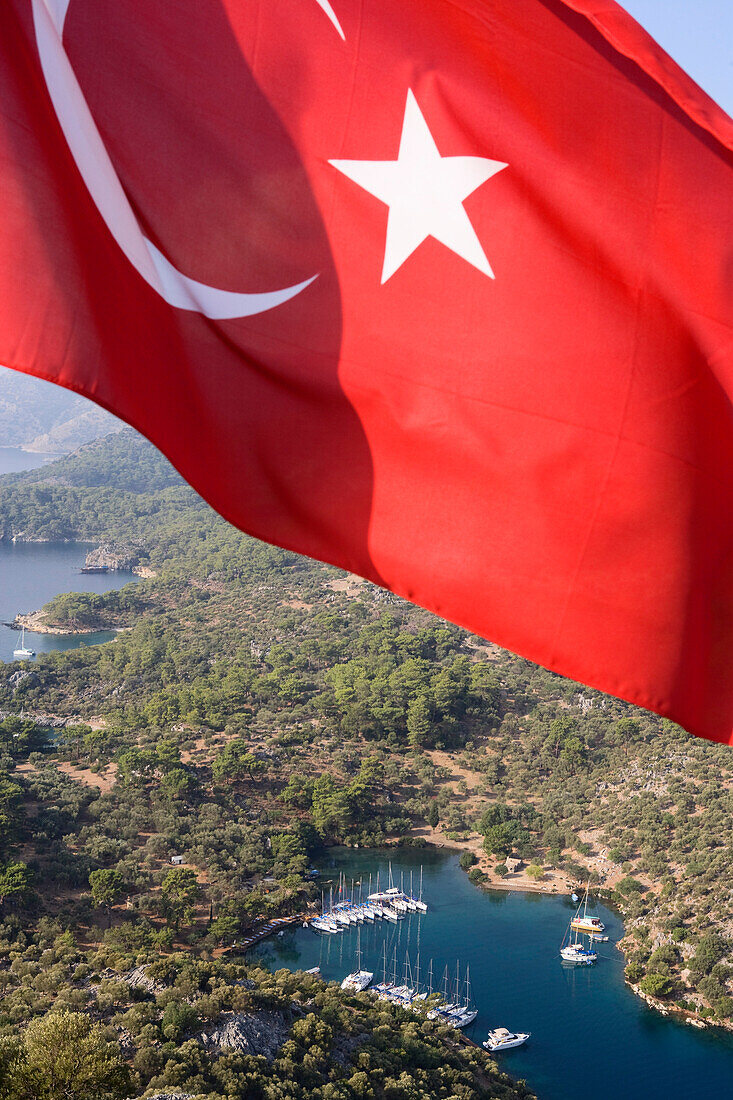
[
  {"x": 582, "y": 922},
  {"x": 577, "y": 953},
  {"x": 358, "y": 980},
  {"x": 501, "y": 1039},
  {"x": 22, "y": 653}
]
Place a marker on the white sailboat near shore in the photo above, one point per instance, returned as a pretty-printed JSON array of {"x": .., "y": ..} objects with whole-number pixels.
[
  {"x": 22, "y": 653},
  {"x": 358, "y": 979}
]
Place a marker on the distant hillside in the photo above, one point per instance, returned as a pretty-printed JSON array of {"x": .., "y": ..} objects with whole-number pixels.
[{"x": 39, "y": 416}]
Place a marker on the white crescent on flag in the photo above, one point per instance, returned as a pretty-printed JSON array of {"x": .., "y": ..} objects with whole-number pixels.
[{"x": 103, "y": 184}]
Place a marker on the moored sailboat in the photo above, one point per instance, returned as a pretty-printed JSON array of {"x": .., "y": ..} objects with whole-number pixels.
[
  {"x": 23, "y": 653},
  {"x": 585, "y": 922}
]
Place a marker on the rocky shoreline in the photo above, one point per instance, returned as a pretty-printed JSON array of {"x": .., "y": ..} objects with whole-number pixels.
[
  {"x": 665, "y": 1008},
  {"x": 36, "y": 624}
]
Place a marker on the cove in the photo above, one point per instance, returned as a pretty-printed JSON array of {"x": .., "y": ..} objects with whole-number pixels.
[
  {"x": 590, "y": 1035},
  {"x": 32, "y": 573},
  {"x": 13, "y": 460}
]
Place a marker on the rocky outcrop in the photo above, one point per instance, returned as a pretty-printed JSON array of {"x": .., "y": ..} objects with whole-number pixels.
[
  {"x": 112, "y": 558},
  {"x": 35, "y": 621},
  {"x": 140, "y": 979},
  {"x": 248, "y": 1033}
]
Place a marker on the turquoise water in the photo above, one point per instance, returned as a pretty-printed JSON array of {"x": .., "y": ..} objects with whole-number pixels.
[
  {"x": 31, "y": 574},
  {"x": 590, "y": 1036}
]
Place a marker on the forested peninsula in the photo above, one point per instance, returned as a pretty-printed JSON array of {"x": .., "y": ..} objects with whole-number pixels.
[{"x": 255, "y": 708}]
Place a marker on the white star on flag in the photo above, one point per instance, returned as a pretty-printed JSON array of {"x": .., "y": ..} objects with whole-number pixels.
[{"x": 424, "y": 193}]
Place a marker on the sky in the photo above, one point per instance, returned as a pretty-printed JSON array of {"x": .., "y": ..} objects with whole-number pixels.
[{"x": 698, "y": 34}]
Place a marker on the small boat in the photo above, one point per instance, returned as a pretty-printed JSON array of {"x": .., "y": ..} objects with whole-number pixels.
[
  {"x": 502, "y": 1039},
  {"x": 597, "y": 937},
  {"x": 574, "y": 898},
  {"x": 314, "y": 970},
  {"x": 22, "y": 653}
]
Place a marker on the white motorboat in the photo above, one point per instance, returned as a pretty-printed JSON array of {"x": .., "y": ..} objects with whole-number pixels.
[{"x": 502, "y": 1039}]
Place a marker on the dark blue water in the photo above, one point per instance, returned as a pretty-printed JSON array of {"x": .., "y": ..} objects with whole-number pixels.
[
  {"x": 33, "y": 573},
  {"x": 590, "y": 1036}
]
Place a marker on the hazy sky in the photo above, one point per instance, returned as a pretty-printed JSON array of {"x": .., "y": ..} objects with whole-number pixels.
[{"x": 698, "y": 34}]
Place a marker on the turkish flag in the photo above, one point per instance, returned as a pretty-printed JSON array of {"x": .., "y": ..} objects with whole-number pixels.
[{"x": 440, "y": 292}]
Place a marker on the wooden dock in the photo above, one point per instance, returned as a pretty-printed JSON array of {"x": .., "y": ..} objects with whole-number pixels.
[{"x": 265, "y": 930}]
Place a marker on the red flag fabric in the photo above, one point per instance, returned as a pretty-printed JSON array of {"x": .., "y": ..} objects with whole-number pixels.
[{"x": 440, "y": 292}]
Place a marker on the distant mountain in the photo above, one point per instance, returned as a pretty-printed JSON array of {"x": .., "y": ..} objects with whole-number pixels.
[{"x": 39, "y": 416}]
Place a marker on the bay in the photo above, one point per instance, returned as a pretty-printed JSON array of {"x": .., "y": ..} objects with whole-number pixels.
[
  {"x": 13, "y": 460},
  {"x": 32, "y": 573},
  {"x": 590, "y": 1035}
]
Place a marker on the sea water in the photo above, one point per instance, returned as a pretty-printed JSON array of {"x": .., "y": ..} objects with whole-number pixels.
[{"x": 590, "y": 1035}]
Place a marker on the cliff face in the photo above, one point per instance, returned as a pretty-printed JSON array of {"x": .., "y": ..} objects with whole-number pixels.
[{"x": 112, "y": 557}]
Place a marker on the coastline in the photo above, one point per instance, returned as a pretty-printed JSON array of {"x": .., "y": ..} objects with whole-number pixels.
[
  {"x": 35, "y": 623},
  {"x": 515, "y": 884}
]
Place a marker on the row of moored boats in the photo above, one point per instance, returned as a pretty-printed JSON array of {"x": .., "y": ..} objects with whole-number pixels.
[
  {"x": 392, "y": 905},
  {"x": 450, "y": 1004},
  {"x": 453, "y": 1006}
]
